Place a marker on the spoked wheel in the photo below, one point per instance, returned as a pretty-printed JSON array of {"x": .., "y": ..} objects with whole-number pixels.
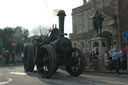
[
  {"x": 28, "y": 59},
  {"x": 77, "y": 65},
  {"x": 47, "y": 62}
]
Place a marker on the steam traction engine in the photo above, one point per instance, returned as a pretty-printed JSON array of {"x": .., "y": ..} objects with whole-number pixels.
[{"x": 53, "y": 51}]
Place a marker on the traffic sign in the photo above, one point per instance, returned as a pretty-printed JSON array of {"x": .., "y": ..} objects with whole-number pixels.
[
  {"x": 14, "y": 44},
  {"x": 125, "y": 36}
]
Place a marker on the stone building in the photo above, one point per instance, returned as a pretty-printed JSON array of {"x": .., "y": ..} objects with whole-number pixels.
[{"x": 115, "y": 19}]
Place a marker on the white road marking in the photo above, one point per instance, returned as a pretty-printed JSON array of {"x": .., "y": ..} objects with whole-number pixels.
[
  {"x": 6, "y": 82},
  {"x": 18, "y": 73}
]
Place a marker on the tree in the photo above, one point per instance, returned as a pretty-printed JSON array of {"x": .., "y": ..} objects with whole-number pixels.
[
  {"x": 41, "y": 30},
  {"x": 18, "y": 34},
  {"x": 25, "y": 34},
  {"x": 7, "y": 36}
]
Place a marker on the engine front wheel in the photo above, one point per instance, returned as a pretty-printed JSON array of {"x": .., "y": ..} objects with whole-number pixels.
[
  {"x": 47, "y": 61},
  {"x": 77, "y": 64}
]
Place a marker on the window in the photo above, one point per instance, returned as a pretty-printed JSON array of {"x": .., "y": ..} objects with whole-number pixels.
[
  {"x": 74, "y": 45},
  {"x": 82, "y": 44},
  {"x": 100, "y": 4},
  {"x": 107, "y": 2},
  {"x": 103, "y": 44},
  {"x": 90, "y": 20},
  {"x": 81, "y": 23},
  {"x": 95, "y": 44}
]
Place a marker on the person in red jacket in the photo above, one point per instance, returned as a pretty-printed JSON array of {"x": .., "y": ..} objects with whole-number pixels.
[
  {"x": 124, "y": 58},
  {"x": 4, "y": 54}
]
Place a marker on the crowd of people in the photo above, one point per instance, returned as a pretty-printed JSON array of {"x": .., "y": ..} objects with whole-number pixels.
[
  {"x": 7, "y": 57},
  {"x": 114, "y": 58}
]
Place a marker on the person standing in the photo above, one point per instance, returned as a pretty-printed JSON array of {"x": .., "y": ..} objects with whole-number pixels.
[
  {"x": 91, "y": 59},
  {"x": 8, "y": 57},
  {"x": 124, "y": 59},
  {"x": 106, "y": 60},
  {"x": 115, "y": 57},
  {"x": 0, "y": 59},
  {"x": 3, "y": 56},
  {"x": 95, "y": 61},
  {"x": 22, "y": 56},
  {"x": 121, "y": 58},
  {"x": 111, "y": 52},
  {"x": 13, "y": 57}
]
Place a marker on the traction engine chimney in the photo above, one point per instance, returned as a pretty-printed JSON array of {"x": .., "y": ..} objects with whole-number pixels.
[{"x": 61, "y": 14}]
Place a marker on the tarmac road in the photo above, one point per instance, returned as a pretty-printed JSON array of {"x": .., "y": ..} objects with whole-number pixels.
[{"x": 15, "y": 75}]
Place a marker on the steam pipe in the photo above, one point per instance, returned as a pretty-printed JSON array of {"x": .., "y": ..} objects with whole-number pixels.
[{"x": 61, "y": 14}]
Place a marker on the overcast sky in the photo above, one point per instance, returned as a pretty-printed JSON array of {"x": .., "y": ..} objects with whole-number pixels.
[{"x": 32, "y": 13}]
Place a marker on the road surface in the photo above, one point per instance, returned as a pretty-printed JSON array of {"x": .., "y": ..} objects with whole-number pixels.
[{"x": 15, "y": 75}]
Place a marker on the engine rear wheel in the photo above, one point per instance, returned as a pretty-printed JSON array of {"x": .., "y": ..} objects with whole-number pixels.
[
  {"x": 47, "y": 62},
  {"x": 77, "y": 65},
  {"x": 28, "y": 59}
]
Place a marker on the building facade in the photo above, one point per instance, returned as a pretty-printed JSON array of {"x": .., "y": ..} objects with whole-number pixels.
[{"x": 115, "y": 20}]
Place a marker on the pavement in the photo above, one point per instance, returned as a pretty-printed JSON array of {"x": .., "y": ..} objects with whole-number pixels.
[
  {"x": 112, "y": 73},
  {"x": 8, "y": 65}
]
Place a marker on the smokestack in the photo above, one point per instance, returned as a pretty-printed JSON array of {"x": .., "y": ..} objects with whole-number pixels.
[{"x": 61, "y": 14}]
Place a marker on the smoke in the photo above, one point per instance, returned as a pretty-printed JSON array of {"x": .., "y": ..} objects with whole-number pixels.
[
  {"x": 55, "y": 12},
  {"x": 45, "y": 4}
]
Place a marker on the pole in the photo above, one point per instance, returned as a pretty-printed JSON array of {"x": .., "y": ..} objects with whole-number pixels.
[
  {"x": 15, "y": 59},
  {"x": 126, "y": 55},
  {"x": 118, "y": 21}
]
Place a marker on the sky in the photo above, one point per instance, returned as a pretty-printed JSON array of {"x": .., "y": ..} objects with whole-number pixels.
[{"x": 32, "y": 13}]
